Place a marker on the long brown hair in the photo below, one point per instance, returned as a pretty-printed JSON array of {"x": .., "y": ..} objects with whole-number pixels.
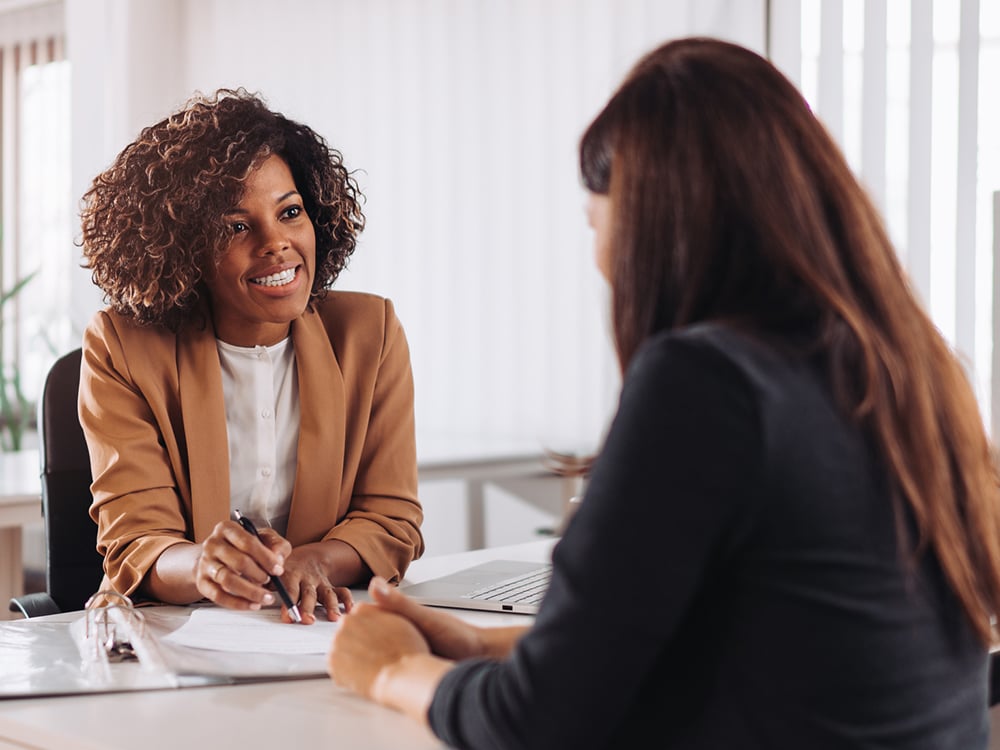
[{"x": 731, "y": 201}]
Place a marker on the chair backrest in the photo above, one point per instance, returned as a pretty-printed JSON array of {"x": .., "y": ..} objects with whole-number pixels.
[{"x": 73, "y": 567}]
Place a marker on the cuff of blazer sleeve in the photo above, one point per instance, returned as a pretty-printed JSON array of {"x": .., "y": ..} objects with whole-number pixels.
[
  {"x": 383, "y": 554},
  {"x": 126, "y": 572}
]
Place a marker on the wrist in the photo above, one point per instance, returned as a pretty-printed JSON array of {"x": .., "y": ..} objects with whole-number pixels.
[
  {"x": 408, "y": 684},
  {"x": 337, "y": 559}
]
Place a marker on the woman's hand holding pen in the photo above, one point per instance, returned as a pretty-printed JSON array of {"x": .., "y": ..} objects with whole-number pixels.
[{"x": 235, "y": 568}]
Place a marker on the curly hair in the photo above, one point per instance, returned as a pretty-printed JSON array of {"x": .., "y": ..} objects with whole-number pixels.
[{"x": 153, "y": 222}]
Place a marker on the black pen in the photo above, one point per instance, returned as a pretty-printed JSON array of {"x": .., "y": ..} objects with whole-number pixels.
[{"x": 293, "y": 611}]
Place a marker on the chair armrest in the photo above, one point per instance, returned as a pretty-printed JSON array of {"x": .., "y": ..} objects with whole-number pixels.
[
  {"x": 34, "y": 605},
  {"x": 994, "y": 678}
]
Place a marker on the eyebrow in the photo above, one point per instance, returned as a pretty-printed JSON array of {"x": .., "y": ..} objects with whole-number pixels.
[{"x": 281, "y": 199}]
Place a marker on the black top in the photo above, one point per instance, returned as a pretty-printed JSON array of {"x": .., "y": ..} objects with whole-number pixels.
[{"x": 731, "y": 580}]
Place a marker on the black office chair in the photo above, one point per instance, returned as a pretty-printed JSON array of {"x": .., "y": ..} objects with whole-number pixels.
[
  {"x": 994, "y": 678},
  {"x": 73, "y": 567}
]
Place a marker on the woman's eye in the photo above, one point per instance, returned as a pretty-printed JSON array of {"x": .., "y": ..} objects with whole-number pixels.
[
  {"x": 292, "y": 211},
  {"x": 238, "y": 227}
]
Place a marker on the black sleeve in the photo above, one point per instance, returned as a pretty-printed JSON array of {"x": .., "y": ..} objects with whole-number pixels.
[{"x": 668, "y": 502}]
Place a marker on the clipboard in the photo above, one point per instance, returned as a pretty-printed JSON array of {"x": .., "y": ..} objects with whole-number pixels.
[{"x": 113, "y": 646}]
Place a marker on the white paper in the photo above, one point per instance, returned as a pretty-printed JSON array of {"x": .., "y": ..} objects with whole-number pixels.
[{"x": 248, "y": 631}]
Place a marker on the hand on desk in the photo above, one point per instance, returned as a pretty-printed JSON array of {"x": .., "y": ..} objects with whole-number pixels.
[
  {"x": 234, "y": 567},
  {"x": 234, "y": 570},
  {"x": 395, "y": 651},
  {"x": 310, "y": 575},
  {"x": 371, "y": 639}
]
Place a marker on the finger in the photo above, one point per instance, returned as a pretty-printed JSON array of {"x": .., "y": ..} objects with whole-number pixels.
[
  {"x": 286, "y": 617},
  {"x": 331, "y": 597},
  {"x": 224, "y": 599},
  {"x": 212, "y": 585},
  {"x": 232, "y": 546},
  {"x": 276, "y": 543},
  {"x": 214, "y": 577},
  {"x": 213, "y": 572},
  {"x": 269, "y": 561},
  {"x": 391, "y": 598},
  {"x": 307, "y": 601},
  {"x": 346, "y": 598}
]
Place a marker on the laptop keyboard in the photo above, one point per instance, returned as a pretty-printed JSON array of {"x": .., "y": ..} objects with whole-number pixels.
[{"x": 528, "y": 588}]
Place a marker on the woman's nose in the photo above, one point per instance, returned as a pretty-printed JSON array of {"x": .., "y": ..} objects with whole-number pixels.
[{"x": 274, "y": 240}]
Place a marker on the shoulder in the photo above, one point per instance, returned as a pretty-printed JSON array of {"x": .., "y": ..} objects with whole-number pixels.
[
  {"x": 696, "y": 370},
  {"x": 356, "y": 321},
  {"x": 716, "y": 353},
  {"x": 351, "y": 310},
  {"x": 716, "y": 372},
  {"x": 111, "y": 330}
]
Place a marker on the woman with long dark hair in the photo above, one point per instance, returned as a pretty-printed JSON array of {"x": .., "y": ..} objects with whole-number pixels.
[{"x": 797, "y": 496}]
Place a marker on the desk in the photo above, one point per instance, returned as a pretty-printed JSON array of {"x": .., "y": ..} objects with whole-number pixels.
[
  {"x": 305, "y": 713},
  {"x": 20, "y": 505}
]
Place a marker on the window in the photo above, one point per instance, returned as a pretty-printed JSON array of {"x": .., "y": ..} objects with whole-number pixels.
[
  {"x": 37, "y": 237},
  {"x": 902, "y": 85}
]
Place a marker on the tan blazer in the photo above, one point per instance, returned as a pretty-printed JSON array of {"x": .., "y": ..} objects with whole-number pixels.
[{"x": 152, "y": 409}]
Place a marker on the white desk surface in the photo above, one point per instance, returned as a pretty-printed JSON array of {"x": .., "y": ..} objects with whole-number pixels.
[{"x": 305, "y": 713}]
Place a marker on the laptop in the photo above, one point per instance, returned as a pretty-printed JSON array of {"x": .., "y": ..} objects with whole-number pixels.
[{"x": 495, "y": 586}]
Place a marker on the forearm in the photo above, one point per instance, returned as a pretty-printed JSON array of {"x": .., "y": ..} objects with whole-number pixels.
[
  {"x": 172, "y": 577},
  {"x": 408, "y": 685}
]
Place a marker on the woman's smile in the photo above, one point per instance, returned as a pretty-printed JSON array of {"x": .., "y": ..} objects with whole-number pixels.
[{"x": 264, "y": 279}]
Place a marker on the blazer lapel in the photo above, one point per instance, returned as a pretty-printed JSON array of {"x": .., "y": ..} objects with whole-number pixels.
[
  {"x": 320, "y": 461},
  {"x": 204, "y": 413}
]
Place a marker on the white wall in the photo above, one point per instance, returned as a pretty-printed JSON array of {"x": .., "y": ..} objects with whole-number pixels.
[{"x": 464, "y": 116}]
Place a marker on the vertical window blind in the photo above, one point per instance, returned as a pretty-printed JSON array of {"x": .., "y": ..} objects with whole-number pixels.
[
  {"x": 35, "y": 206},
  {"x": 903, "y": 85}
]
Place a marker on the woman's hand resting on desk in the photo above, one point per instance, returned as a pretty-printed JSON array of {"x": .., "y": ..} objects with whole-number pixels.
[
  {"x": 234, "y": 570},
  {"x": 446, "y": 635},
  {"x": 380, "y": 652},
  {"x": 234, "y": 567},
  {"x": 395, "y": 651},
  {"x": 318, "y": 575}
]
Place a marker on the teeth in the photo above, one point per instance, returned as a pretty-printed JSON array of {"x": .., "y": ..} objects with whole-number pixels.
[{"x": 276, "y": 279}]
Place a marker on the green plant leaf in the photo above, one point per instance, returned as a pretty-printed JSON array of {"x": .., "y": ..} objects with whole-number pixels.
[
  {"x": 15, "y": 409},
  {"x": 13, "y": 291}
]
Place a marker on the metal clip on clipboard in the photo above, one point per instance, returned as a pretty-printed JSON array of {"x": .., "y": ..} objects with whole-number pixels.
[
  {"x": 109, "y": 630},
  {"x": 114, "y": 631}
]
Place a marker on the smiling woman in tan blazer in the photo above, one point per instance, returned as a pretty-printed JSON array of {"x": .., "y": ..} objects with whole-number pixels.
[{"x": 216, "y": 236}]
